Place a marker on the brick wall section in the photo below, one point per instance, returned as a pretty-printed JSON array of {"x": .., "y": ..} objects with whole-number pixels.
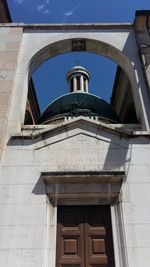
[
  {"x": 4, "y": 12},
  {"x": 10, "y": 40}
]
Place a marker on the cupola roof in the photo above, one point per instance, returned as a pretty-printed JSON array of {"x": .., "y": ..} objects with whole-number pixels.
[{"x": 78, "y": 101}]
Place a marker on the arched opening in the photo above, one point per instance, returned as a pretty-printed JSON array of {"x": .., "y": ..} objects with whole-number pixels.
[
  {"x": 96, "y": 47},
  {"x": 32, "y": 112},
  {"x": 50, "y": 78}
]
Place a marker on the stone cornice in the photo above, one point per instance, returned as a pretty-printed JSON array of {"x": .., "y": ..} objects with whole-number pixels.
[
  {"x": 72, "y": 26},
  {"x": 83, "y": 187},
  {"x": 34, "y": 131}
]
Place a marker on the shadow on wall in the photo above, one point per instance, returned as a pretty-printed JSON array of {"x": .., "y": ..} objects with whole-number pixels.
[
  {"x": 99, "y": 149},
  {"x": 40, "y": 187},
  {"x": 118, "y": 155},
  {"x": 116, "y": 152},
  {"x": 139, "y": 90}
]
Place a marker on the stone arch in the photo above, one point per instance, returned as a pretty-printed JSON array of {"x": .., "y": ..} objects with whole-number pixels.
[
  {"x": 84, "y": 45},
  {"x": 88, "y": 45},
  {"x": 41, "y": 49}
]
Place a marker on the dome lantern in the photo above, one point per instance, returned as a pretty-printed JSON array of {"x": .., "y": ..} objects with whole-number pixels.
[{"x": 78, "y": 78}]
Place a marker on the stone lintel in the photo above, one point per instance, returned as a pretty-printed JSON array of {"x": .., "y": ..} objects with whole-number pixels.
[
  {"x": 83, "y": 187},
  {"x": 84, "y": 177}
]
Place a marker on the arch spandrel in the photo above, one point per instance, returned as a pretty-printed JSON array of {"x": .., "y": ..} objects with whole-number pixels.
[
  {"x": 52, "y": 44},
  {"x": 91, "y": 45},
  {"x": 117, "y": 45}
]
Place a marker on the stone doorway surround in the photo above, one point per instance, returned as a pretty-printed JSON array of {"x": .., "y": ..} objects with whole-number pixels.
[{"x": 88, "y": 188}]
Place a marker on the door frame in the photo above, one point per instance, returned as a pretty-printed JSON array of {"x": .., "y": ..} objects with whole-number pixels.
[
  {"x": 84, "y": 183},
  {"x": 84, "y": 230}
]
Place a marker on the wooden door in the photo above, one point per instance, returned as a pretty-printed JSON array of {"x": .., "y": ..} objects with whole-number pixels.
[{"x": 84, "y": 237}]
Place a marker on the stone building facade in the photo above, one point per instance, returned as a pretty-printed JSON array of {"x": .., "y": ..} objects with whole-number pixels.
[{"x": 74, "y": 191}]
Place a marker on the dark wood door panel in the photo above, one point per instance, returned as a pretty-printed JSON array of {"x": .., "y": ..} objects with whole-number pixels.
[
  {"x": 69, "y": 237},
  {"x": 84, "y": 237},
  {"x": 95, "y": 237},
  {"x": 97, "y": 245}
]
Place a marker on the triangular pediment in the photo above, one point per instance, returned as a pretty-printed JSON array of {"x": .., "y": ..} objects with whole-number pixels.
[
  {"x": 79, "y": 144},
  {"x": 77, "y": 128},
  {"x": 83, "y": 131},
  {"x": 75, "y": 137},
  {"x": 73, "y": 127}
]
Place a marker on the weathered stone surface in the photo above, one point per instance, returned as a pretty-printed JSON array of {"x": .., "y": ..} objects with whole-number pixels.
[
  {"x": 9, "y": 48},
  {"x": 28, "y": 220}
]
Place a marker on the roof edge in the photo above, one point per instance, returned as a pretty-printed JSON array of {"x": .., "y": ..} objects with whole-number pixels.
[{"x": 71, "y": 26}]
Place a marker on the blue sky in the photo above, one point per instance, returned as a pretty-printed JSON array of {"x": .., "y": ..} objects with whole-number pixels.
[{"x": 49, "y": 79}]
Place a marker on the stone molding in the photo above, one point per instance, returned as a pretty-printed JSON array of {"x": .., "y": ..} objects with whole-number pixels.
[
  {"x": 83, "y": 187},
  {"x": 34, "y": 131}
]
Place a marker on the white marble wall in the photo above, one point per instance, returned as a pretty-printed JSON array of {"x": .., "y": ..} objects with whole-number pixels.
[{"x": 28, "y": 221}]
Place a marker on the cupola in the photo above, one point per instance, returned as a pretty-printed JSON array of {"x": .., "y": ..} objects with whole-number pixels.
[
  {"x": 78, "y": 78},
  {"x": 78, "y": 102}
]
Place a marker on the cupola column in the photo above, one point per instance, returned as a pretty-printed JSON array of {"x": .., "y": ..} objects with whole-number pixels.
[
  {"x": 78, "y": 78},
  {"x": 74, "y": 84},
  {"x": 86, "y": 86},
  {"x": 81, "y": 83}
]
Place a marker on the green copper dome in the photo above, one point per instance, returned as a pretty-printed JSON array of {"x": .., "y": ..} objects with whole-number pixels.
[{"x": 77, "y": 104}]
